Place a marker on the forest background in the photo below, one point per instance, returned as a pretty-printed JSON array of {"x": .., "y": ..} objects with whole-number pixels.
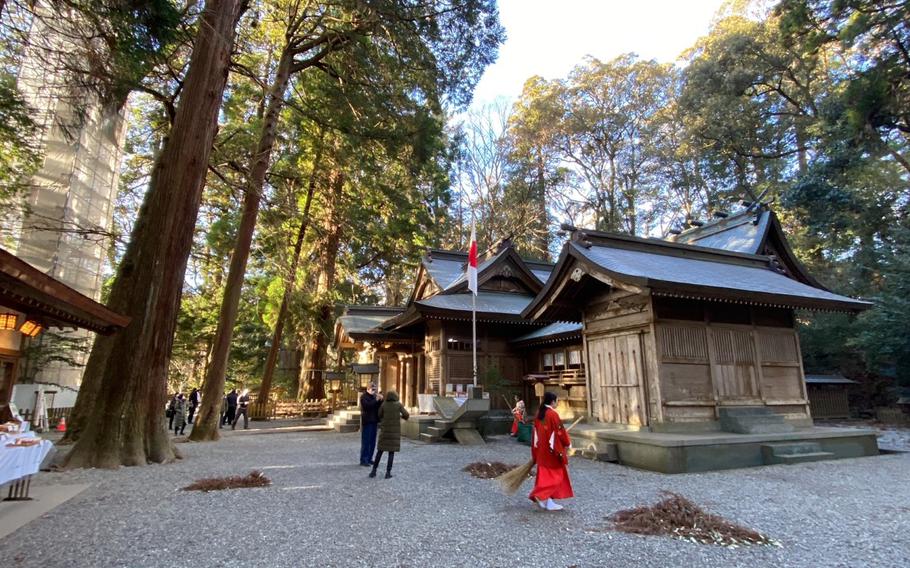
[{"x": 344, "y": 150}]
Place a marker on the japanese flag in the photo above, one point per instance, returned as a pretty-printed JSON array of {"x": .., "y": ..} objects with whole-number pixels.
[{"x": 472, "y": 262}]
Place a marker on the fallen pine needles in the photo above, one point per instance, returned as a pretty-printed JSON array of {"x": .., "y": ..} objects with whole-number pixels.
[
  {"x": 253, "y": 479},
  {"x": 487, "y": 470},
  {"x": 679, "y": 517}
]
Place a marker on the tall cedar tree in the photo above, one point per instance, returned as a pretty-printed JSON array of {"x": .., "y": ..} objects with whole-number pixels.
[
  {"x": 126, "y": 424},
  {"x": 448, "y": 41}
]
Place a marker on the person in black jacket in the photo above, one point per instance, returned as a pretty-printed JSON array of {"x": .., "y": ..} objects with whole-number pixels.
[
  {"x": 231, "y": 400},
  {"x": 194, "y": 403},
  {"x": 369, "y": 422}
]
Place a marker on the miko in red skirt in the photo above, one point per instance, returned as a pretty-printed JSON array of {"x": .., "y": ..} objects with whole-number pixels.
[{"x": 548, "y": 450}]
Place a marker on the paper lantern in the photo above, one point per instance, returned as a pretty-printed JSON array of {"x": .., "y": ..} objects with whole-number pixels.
[
  {"x": 8, "y": 320},
  {"x": 31, "y": 328}
]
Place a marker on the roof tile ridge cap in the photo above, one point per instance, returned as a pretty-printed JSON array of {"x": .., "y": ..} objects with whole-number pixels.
[
  {"x": 443, "y": 252},
  {"x": 733, "y": 220},
  {"x": 669, "y": 245}
]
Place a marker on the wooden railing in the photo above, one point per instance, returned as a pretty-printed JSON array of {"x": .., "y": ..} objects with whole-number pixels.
[
  {"x": 53, "y": 415},
  {"x": 286, "y": 409},
  {"x": 563, "y": 375}
]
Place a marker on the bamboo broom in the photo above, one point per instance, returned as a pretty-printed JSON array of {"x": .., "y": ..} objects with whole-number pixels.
[{"x": 512, "y": 480}]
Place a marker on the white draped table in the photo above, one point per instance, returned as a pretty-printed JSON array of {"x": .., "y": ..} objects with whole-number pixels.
[{"x": 21, "y": 461}]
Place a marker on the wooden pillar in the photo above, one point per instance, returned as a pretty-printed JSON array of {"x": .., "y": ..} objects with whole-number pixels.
[
  {"x": 381, "y": 378},
  {"x": 421, "y": 374},
  {"x": 411, "y": 382}
]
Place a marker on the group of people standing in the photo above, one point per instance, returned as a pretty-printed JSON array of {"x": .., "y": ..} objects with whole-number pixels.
[
  {"x": 549, "y": 445},
  {"x": 180, "y": 410},
  {"x": 233, "y": 406},
  {"x": 385, "y": 414}
]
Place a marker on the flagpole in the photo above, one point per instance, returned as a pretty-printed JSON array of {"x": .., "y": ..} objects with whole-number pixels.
[
  {"x": 474, "y": 332},
  {"x": 472, "y": 286}
]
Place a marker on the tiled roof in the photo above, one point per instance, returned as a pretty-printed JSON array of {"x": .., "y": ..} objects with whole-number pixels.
[
  {"x": 487, "y": 302},
  {"x": 364, "y": 319},
  {"x": 480, "y": 268},
  {"x": 542, "y": 275},
  {"x": 742, "y": 232},
  {"x": 557, "y": 328},
  {"x": 708, "y": 272},
  {"x": 445, "y": 267},
  {"x": 829, "y": 380}
]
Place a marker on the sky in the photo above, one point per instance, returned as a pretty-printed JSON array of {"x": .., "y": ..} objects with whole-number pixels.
[{"x": 550, "y": 37}]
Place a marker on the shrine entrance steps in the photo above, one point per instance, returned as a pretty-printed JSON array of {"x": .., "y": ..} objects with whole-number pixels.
[
  {"x": 459, "y": 420},
  {"x": 798, "y": 452},
  {"x": 344, "y": 421},
  {"x": 753, "y": 420}
]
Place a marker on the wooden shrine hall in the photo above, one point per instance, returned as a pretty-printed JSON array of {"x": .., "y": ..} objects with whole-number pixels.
[{"x": 683, "y": 354}]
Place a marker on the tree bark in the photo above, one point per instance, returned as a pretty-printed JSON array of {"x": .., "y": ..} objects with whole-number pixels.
[
  {"x": 542, "y": 243},
  {"x": 289, "y": 283},
  {"x": 206, "y": 428},
  {"x": 123, "y": 408},
  {"x": 313, "y": 385}
]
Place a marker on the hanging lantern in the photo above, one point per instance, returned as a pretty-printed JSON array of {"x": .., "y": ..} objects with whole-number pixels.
[
  {"x": 8, "y": 320},
  {"x": 31, "y": 328}
]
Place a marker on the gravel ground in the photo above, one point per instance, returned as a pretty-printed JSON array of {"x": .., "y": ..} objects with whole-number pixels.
[
  {"x": 322, "y": 510},
  {"x": 890, "y": 437}
]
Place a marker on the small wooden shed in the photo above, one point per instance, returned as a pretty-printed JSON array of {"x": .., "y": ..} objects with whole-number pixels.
[
  {"x": 675, "y": 333},
  {"x": 829, "y": 396}
]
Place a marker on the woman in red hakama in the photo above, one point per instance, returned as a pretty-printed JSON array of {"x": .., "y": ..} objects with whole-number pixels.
[
  {"x": 548, "y": 450},
  {"x": 519, "y": 413}
]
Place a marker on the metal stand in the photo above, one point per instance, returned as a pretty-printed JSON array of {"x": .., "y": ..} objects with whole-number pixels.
[{"x": 19, "y": 489}]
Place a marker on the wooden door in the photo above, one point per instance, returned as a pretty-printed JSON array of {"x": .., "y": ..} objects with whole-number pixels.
[
  {"x": 617, "y": 379},
  {"x": 733, "y": 364}
]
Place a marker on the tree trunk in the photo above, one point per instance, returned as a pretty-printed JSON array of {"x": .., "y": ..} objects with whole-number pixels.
[
  {"x": 313, "y": 385},
  {"x": 123, "y": 408},
  {"x": 206, "y": 428},
  {"x": 542, "y": 243},
  {"x": 289, "y": 283}
]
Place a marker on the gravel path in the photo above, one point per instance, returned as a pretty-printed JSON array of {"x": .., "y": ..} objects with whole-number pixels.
[{"x": 322, "y": 510}]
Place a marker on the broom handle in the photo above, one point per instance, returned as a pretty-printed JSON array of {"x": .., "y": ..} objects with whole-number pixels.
[{"x": 577, "y": 420}]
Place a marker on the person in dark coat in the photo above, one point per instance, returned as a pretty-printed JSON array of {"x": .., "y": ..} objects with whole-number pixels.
[
  {"x": 231, "y": 400},
  {"x": 369, "y": 423},
  {"x": 194, "y": 403},
  {"x": 390, "y": 415},
  {"x": 170, "y": 411}
]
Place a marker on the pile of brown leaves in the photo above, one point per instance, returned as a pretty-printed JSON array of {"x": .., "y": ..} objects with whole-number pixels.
[
  {"x": 680, "y": 518},
  {"x": 487, "y": 470},
  {"x": 254, "y": 479}
]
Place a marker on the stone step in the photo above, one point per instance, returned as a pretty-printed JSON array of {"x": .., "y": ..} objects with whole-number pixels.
[
  {"x": 345, "y": 428},
  {"x": 468, "y": 437},
  {"x": 791, "y": 448},
  {"x": 745, "y": 411},
  {"x": 437, "y": 432},
  {"x": 595, "y": 450},
  {"x": 804, "y": 458},
  {"x": 428, "y": 438},
  {"x": 753, "y": 420},
  {"x": 442, "y": 423},
  {"x": 794, "y": 452}
]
